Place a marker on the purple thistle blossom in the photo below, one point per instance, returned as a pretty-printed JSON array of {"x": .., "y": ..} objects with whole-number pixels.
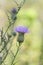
[
  {"x": 14, "y": 10},
  {"x": 14, "y": 14},
  {"x": 21, "y": 29}
]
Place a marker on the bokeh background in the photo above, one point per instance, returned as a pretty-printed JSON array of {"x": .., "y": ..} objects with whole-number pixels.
[{"x": 30, "y": 15}]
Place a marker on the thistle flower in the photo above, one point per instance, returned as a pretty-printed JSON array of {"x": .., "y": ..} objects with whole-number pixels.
[
  {"x": 13, "y": 14},
  {"x": 14, "y": 11},
  {"x": 21, "y": 30}
]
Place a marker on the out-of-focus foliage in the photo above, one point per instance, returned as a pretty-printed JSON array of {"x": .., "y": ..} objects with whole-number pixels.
[{"x": 27, "y": 16}]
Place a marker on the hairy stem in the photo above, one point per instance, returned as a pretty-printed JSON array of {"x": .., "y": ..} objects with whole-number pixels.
[{"x": 15, "y": 55}]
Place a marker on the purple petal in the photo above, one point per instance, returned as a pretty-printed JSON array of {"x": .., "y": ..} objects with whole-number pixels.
[{"x": 21, "y": 29}]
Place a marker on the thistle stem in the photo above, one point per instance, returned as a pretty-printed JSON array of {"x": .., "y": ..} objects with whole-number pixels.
[{"x": 15, "y": 56}]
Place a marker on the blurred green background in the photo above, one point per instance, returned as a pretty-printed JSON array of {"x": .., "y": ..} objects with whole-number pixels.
[{"x": 30, "y": 15}]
